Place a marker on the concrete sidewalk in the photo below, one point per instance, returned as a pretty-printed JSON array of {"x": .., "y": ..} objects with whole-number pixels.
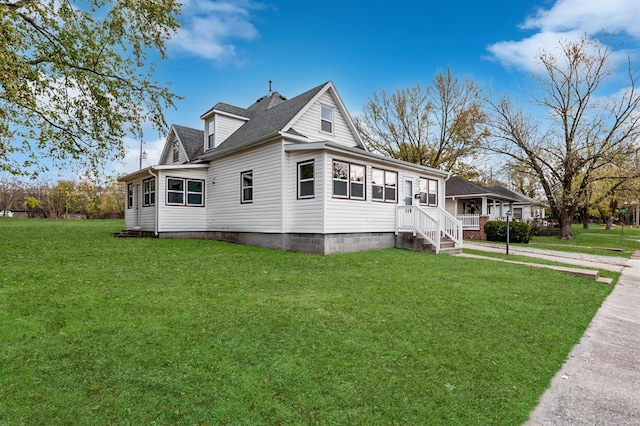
[
  {"x": 607, "y": 263},
  {"x": 599, "y": 384}
]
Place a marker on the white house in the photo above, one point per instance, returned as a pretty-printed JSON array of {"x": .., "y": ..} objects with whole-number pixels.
[
  {"x": 288, "y": 174},
  {"x": 469, "y": 202}
]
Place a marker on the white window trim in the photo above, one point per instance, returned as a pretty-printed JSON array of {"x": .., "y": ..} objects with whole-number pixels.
[
  {"x": 175, "y": 151},
  {"x": 169, "y": 203},
  {"x": 348, "y": 180},
  {"x": 384, "y": 186},
  {"x": 331, "y": 122},
  {"x": 243, "y": 200},
  {"x": 211, "y": 143},
  {"x": 312, "y": 179},
  {"x": 147, "y": 191},
  {"x": 130, "y": 195},
  {"x": 185, "y": 192},
  {"x": 427, "y": 193}
]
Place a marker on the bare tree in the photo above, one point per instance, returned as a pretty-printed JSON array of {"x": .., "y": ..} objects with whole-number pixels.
[
  {"x": 439, "y": 126},
  {"x": 581, "y": 135}
]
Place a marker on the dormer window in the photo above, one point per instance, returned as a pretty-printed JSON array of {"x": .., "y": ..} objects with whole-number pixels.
[
  {"x": 212, "y": 133},
  {"x": 176, "y": 151},
  {"x": 326, "y": 119}
]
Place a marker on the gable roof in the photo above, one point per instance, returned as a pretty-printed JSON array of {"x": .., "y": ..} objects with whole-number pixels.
[
  {"x": 270, "y": 116},
  {"x": 266, "y": 121},
  {"x": 192, "y": 140}
]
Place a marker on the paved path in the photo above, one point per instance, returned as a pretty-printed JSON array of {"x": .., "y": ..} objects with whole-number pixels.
[
  {"x": 599, "y": 384},
  {"x": 608, "y": 263}
]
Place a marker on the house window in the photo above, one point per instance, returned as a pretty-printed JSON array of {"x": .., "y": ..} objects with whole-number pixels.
[
  {"x": 306, "y": 183},
  {"x": 348, "y": 180},
  {"x": 149, "y": 191},
  {"x": 384, "y": 185},
  {"x": 357, "y": 181},
  {"x": 246, "y": 182},
  {"x": 176, "y": 151},
  {"x": 175, "y": 191},
  {"x": 517, "y": 213},
  {"x": 326, "y": 119},
  {"x": 181, "y": 190},
  {"x": 130, "y": 196},
  {"x": 212, "y": 134},
  {"x": 429, "y": 192},
  {"x": 195, "y": 192}
]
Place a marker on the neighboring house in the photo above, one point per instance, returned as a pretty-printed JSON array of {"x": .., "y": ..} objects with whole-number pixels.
[
  {"x": 473, "y": 205},
  {"x": 288, "y": 174}
]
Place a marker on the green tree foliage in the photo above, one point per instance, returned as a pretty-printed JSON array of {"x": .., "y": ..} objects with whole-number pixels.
[
  {"x": 440, "y": 126},
  {"x": 581, "y": 134},
  {"x": 77, "y": 76}
]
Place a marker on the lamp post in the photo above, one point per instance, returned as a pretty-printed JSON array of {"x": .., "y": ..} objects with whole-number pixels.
[{"x": 508, "y": 213}]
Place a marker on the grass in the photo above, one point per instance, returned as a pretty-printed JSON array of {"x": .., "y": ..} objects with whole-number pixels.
[
  {"x": 528, "y": 259},
  {"x": 100, "y": 330},
  {"x": 594, "y": 240}
]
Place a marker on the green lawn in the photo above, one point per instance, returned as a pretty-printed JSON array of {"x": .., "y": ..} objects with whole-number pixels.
[
  {"x": 102, "y": 330},
  {"x": 594, "y": 240}
]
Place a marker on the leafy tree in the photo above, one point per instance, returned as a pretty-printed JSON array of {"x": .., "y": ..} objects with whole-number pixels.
[
  {"x": 10, "y": 192},
  {"x": 440, "y": 126},
  {"x": 581, "y": 135},
  {"x": 75, "y": 78},
  {"x": 33, "y": 206}
]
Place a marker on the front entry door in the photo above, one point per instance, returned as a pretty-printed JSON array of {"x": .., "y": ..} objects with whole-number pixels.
[{"x": 408, "y": 192}]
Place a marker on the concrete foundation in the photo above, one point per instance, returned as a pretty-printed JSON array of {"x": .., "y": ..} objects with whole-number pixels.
[{"x": 300, "y": 242}]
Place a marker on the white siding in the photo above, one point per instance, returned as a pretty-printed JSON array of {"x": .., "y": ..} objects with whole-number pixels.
[
  {"x": 304, "y": 215},
  {"x": 225, "y": 127},
  {"x": 309, "y": 123},
  {"x": 167, "y": 157},
  {"x": 146, "y": 214},
  {"x": 180, "y": 218},
  {"x": 345, "y": 215},
  {"x": 225, "y": 212}
]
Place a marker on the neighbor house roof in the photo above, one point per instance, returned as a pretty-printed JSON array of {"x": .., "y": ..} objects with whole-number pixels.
[
  {"x": 458, "y": 187},
  {"x": 507, "y": 192}
]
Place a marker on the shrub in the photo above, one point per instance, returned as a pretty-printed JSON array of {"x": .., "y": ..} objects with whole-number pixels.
[{"x": 519, "y": 232}]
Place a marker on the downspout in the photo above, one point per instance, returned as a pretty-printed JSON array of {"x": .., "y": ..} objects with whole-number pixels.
[{"x": 155, "y": 222}]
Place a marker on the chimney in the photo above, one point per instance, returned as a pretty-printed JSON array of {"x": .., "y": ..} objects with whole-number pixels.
[{"x": 270, "y": 87}]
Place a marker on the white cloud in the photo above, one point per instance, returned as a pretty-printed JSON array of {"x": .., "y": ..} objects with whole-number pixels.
[
  {"x": 209, "y": 28},
  {"x": 567, "y": 20},
  {"x": 589, "y": 16},
  {"x": 131, "y": 161}
]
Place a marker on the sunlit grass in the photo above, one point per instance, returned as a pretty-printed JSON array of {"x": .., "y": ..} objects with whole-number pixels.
[{"x": 102, "y": 330}]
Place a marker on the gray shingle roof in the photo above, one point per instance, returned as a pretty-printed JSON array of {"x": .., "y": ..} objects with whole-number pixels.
[
  {"x": 192, "y": 140},
  {"x": 270, "y": 115},
  {"x": 500, "y": 190},
  {"x": 459, "y": 186}
]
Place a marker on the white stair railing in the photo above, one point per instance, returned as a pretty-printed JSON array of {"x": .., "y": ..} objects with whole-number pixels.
[{"x": 430, "y": 223}]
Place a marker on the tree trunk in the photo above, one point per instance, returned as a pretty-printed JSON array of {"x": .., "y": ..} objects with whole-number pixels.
[
  {"x": 565, "y": 219},
  {"x": 585, "y": 218}
]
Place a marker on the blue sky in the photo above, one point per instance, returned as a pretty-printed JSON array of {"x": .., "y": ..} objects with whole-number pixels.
[{"x": 227, "y": 51}]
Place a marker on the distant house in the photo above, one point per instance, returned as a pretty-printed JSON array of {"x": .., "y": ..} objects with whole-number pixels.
[
  {"x": 474, "y": 204},
  {"x": 290, "y": 174}
]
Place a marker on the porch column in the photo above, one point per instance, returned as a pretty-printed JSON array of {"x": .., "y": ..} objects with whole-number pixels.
[{"x": 484, "y": 206}]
